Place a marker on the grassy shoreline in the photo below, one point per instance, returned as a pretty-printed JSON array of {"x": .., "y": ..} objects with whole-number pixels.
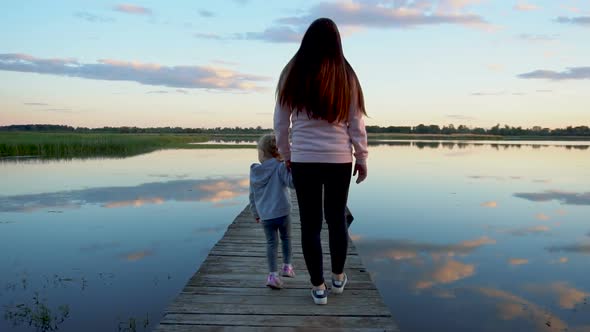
[{"x": 95, "y": 145}]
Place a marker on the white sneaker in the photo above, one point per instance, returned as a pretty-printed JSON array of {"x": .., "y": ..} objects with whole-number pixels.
[
  {"x": 338, "y": 285},
  {"x": 320, "y": 296}
]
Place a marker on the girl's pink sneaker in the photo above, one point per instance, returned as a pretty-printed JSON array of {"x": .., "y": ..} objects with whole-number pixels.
[
  {"x": 273, "y": 281},
  {"x": 288, "y": 271}
]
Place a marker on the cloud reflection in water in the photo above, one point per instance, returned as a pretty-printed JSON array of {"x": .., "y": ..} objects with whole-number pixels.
[
  {"x": 423, "y": 264},
  {"x": 563, "y": 197},
  {"x": 205, "y": 190}
]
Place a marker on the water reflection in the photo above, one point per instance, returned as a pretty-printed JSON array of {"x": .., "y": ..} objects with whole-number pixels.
[
  {"x": 429, "y": 271},
  {"x": 208, "y": 190},
  {"x": 566, "y": 296},
  {"x": 496, "y": 145},
  {"x": 518, "y": 261},
  {"x": 402, "y": 249},
  {"x": 419, "y": 223},
  {"x": 490, "y": 204},
  {"x": 531, "y": 230},
  {"x": 37, "y": 314},
  {"x": 563, "y": 197},
  {"x": 228, "y": 141},
  {"x": 429, "y": 264},
  {"x": 511, "y": 307},
  {"x": 138, "y": 255},
  {"x": 582, "y": 248}
]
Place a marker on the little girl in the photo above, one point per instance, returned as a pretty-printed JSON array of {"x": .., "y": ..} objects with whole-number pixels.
[{"x": 270, "y": 202}]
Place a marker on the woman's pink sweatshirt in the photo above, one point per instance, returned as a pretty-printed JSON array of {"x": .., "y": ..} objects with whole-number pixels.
[{"x": 318, "y": 141}]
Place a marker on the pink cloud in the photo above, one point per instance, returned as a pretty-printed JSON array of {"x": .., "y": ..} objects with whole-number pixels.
[
  {"x": 184, "y": 76},
  {"x": 132, "y": 9},
  {"x": 525, "y": 7}
]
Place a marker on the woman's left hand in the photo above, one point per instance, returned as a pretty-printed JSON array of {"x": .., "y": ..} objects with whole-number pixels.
[{"x": 361, "y": 169}]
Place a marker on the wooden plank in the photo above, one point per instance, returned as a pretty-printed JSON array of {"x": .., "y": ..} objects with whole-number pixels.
[
  {"x": 227, "y": 293},
  {"x": 263, "y": 299},
  {"x": 265, "y": 291},
  {"x": 307, "y": 309},
  {"x": 275, "y": 320},
  {"x": 261, "y": 271},
  {"x": 233, "y": 281},
  {"x": 209, "y": 328}
]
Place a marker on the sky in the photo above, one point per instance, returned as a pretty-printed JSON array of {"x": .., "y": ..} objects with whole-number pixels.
[{"x": 216, "y": 63}]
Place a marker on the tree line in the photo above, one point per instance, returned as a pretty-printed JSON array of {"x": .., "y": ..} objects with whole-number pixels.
[
  {"x": 495, "y": 130},
  {"x": 419, "y": 129}
]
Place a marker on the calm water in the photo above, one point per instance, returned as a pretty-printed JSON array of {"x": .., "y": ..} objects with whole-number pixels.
[{"x": 463, "y": 236}]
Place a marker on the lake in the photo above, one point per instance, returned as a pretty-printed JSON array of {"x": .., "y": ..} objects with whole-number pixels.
[{"x": 459, "y": 236}]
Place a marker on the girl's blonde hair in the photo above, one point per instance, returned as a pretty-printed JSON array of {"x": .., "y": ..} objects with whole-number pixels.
[{"x": 268, "y": 145}]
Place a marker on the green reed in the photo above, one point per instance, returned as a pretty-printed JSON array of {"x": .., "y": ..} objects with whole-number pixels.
[{"x": 88, "y": 145}]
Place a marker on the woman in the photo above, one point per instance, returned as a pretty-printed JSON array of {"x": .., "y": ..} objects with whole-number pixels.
[{"x": 320, "y": 97}]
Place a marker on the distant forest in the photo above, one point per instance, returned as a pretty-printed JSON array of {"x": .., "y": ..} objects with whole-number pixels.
[{"x": 419, "y": 129}]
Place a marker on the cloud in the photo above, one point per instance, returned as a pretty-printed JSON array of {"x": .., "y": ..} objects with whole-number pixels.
[
  {"x": 191, "y": 77},
  {"x": 35, "y": 104},
  {"x": 460, "y": 117},
  {"x": 493, "y": 93},
  {"x": 518, "y": 261},
  {"x": 58, "y": 110},
  {"x": 225, "y": 62},
  {"x": 496, "y": 93},
  {"x": 277, "y": 34},
  {"x": 537, "y": 37},
  {"x": 542, "y": 216},
  {"x": 209, "y": 190},
  {"x": 93, "y": 17},
  {"x": 137, "y": 256},
  {"x": 206, "y": 13},
  {"x": 539, "y": 229},
  {"x": 399, "y": 14},
  {"x": 450, "y": 271},
  {"x": 567, "y": 297},
  {"x": 352, "y": 16},
  {"x": 132, "y": 9},
  {"x": 223, "y": 190},
  {"x": 494, "y": 177},
  {"x": 206, "y": 35},
  {"x": 404, "y": 249},
  {"x": 561, "y": 260},
  {"x": 514, "y": 307},
  {"x": 525, "y": 7},
  {"x": 581, "y": 248},
  {"x": 496, "y": 67},
  {"x": 490, "y": 204},
  {"x": 571, "y": 9},
  {"x": 135, "y": 202},
  {"x": 578, "y": 20},
  {"x": 572, "y": 73},
  {"x": 563, "y": 197}
]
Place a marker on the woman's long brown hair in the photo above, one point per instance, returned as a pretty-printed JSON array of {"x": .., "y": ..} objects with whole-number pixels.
[{"x": 318, "y": 79}]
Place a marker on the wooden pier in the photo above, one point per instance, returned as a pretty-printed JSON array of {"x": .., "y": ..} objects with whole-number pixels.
[{"x": 228, "y": 292}]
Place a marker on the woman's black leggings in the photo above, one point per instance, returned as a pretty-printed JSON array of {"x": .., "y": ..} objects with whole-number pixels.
[{"x": 333, "y": 180}]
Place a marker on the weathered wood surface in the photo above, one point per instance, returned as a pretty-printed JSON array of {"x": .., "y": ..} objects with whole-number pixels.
[{"x": 228, "y": 292}]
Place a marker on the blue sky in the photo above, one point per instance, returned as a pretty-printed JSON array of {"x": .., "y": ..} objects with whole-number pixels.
[{"x": 209, "y": 64}]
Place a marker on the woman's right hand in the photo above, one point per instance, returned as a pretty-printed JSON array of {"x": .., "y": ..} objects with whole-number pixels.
[{"x": 361, "y": 169}]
